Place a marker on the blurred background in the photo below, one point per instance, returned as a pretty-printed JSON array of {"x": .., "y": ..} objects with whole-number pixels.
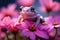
[{"x": 4, "y": 3}]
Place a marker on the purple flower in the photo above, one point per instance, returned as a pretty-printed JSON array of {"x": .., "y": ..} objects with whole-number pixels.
[
  {"x": 31, "y": 31},
  {"x": 53, "y": 21},
  {"x": 47, "y": 28},
  {"x": 8, "y": 15}
]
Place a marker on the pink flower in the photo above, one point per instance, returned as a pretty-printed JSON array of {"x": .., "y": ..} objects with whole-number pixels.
[
  {"x": 31, "y": 31},
  {"x": 53, "y": 21},
  {"x": 8, "y": 23},
  {"x": 25, "y": 2},
  {"x": 48, "y": 5},
  {"x": 8, "y": 14},
  {"x": 9, "y": 11}
]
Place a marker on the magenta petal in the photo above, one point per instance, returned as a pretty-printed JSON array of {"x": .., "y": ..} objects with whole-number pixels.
[
  {"x": 41, "y": 34},
  {"x": 49, "y": 20},
  {"x": 23, "y": 25},
  {"x": 19, "y": 26},
  {"x": 57, "y": 18},
  {"x": 52, "y": 33},
  {"x": 46, "y": 27},
  {"x": 43, "y": 27},
  {"x": 26, "y": 32},
  {"x": 50, "y": 28},
  {"x": 32, "y": 36}
]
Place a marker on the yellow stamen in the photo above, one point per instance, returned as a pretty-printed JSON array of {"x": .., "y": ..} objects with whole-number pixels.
[{"x": 55, "y": 23}]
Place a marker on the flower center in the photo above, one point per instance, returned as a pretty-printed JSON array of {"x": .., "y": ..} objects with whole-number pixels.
[
  {"x": 32, "y": 28},
  {"x": 55, "y": 23},
  {"x": 7, "y": 15},
  {"x": 48, "y": 10}
]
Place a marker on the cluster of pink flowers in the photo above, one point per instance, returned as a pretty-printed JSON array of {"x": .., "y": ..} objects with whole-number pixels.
[{"x": 30, "y": 22}]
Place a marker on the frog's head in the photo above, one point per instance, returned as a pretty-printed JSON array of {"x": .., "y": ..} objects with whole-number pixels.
[{"x": 27, "y": 10}]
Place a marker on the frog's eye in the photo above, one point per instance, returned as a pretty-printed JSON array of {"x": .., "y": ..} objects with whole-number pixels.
[{"x": 32, "y": 9}]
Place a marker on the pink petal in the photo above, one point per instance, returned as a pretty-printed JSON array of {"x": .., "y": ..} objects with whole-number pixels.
[
  {"x": 49, "y": 18},
  {"x": 52, "y": 33},
  {"x": 32, "y": 36},
  {"x": 7, "y": 20},
  {"x": 43, "y": 9},
  {"x": 15, "y": 13},
  {"x": 45, "y": 2},
  {"x": 41, "y": 34},
  {"x": 25, "y": 2},
  {"x": 1, "y": 16},
  {"x": 25, "y": 32},
  {"x": 14, "y": 19},
  {"x": 24, "y": 25},
  {"x": 10, "y": 10},
  {"x": 55, "y": 6},
  {"x": 11, "y": 7}
]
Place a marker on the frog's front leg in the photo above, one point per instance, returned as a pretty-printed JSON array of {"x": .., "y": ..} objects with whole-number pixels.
[{"x": 38, "y": 19}]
